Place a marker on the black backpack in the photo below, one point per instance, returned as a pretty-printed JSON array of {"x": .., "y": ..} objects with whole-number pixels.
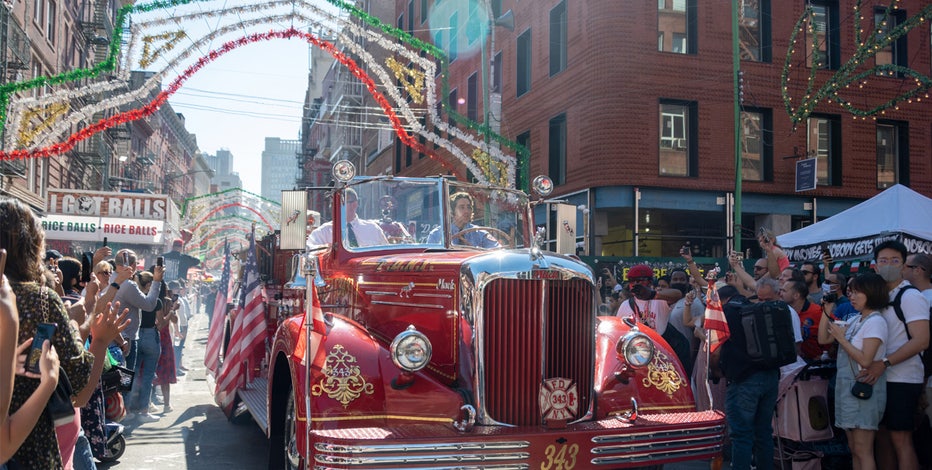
[
  {"x": 926, "y": 355},
  {"x": 768, "y": 333}
]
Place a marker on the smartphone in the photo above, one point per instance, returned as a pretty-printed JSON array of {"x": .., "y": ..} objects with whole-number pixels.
[
  {"x": 87, "y": 261},
  {"x": 45, "y": 331},
  {"x": 174, "y": 297},
  {"x": 125, "y": 259},
  {"x": 160, "y": 261},
  {"x": 105, "y": 241}
]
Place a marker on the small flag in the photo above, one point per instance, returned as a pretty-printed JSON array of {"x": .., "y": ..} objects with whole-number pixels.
[
  {"x": 218, "y": 318},
  {"x": 854, "y": 266},
  {"x": 837, "y": 267},
  {"x": 715, "y": 322}
]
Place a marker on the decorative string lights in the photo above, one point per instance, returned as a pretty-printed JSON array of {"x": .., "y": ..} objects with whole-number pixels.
[
  {"x": 846, "y": 86},
  {"x": 160, "y": 38}
]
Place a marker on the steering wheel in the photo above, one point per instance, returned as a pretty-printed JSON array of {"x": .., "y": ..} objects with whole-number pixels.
[{"x": 500, "y": 234}]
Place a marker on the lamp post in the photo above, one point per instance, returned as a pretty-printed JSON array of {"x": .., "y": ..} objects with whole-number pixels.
[{"x": 507, "y": 21}]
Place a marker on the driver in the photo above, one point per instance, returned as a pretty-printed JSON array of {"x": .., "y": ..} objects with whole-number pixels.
[
  {"x": 358, "y": 232},
  {"x": 461, "y": 203}
]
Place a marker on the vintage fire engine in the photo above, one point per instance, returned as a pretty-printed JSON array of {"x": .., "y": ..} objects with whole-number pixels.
[{"x": 452, "y": 345}]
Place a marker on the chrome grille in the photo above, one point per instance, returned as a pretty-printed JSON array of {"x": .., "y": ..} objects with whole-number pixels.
[{"x": 535, "y": 330}]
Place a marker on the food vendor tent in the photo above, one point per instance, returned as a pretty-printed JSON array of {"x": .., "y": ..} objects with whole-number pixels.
[{"x": 897, "y": 213}]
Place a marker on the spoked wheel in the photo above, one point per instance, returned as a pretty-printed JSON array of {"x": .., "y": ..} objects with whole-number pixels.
[
  {"x": 115, "y": 449},
  {"x": 283, "y": 441}
]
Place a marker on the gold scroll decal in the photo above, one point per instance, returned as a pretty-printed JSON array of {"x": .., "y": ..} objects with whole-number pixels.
[{"x": 342, "y": 380}]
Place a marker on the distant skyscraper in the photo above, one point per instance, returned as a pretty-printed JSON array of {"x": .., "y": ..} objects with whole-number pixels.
[
  {"x": 222, "y": 165},
  {"x": 279, "y": 166}
]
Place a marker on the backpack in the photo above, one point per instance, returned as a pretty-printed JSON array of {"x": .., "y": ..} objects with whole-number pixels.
[
  {"x": 768, "y": 331},
  {"x": 926, "y": 355}
]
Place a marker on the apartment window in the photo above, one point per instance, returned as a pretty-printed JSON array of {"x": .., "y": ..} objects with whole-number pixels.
[
  {"x": 524, "y": 140},
  {"x": 37, "y": 15},
  {"x": 754, "y": 30},
  {"x": 411, "y": 16},
  {"x": 497, "y": 73},
  {"x": 523, "y": 84},
  {"x": 676, "y": 26},
  {"x": 678, "y": 126},
  {"x": 892, "y": 153},
  {"x": 756, "y": 144},
  {"x": 454, "y": 35},
  {"x": 893, "y": 53},
  {"x": 824, "y": 143},
  {"x": 452, "y": 99},
  {"x": 473, "y": 23},
  {"x": 557, "y": 150},
  {"x": 424, "y": 11},
  {"x": 822, "y": 51},
  {"x": 50, "y": 21},
  {"x": 472, "y": 100},
  {"x": 558, "y": 38},
  {"x": 401, "y": 21}
]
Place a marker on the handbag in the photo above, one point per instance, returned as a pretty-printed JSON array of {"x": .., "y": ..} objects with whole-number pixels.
[
  {"x": 118, "y": 378},
  {"x": 59, "y": 407},
  {"x": 862, "y": 390}
]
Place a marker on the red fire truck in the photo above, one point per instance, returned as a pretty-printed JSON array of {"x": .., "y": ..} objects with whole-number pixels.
[{"x": 454, "y": 341}]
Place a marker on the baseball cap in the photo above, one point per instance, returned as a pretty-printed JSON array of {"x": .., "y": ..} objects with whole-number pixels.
[
  {"x": 640, "y": 271},
  {"x": 52, "y": 254}
]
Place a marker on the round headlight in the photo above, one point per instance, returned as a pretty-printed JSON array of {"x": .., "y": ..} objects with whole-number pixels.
[
  {"x": 344, "y": 170},
  {"x": 636, "y": 348},
  {"x": 411, "y": 350},
  {"x": 542, "y": 185}
]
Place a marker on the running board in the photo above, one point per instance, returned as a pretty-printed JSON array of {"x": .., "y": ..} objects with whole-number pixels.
[{"x": 253, "y": 401}]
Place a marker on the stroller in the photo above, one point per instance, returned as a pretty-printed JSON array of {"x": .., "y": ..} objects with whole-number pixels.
[
  {"x": 802, "y": 415},
  {"x": 115, "y": 380}
]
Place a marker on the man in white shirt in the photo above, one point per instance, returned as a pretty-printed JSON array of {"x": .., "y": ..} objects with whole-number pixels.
[
  {"x": 357, "y": 232},
  {"x": 917, "y": 271}
]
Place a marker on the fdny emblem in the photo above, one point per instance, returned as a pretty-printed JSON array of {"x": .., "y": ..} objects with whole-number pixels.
[
  {"x": 558, "y": 399},
  {"x": 342, "y": 379}
]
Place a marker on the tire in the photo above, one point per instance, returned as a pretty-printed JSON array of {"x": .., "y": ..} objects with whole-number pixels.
[
  {"x": 283, "y": 438},
  {"x": 115, "y": 449}
]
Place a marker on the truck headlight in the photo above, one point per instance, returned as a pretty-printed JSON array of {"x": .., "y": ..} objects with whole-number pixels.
[
  {"x": 411, "y": 350},
  {"x": 636, "y": 349}
]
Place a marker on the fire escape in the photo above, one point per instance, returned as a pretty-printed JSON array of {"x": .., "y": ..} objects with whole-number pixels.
[
  {"x": 345, "y": 113},
  {"x": 14, "y": 64}
]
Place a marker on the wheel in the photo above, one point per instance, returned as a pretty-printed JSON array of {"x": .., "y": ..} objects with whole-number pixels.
[
  {"x": 115, "y": 449},
  {"x": 283, "y": 438},
  {"x": 500, "y": 234}
]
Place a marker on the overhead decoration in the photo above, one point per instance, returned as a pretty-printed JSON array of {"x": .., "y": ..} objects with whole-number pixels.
[
  {"x": 226, "y": 215},
  {"x": 167, "y": 38},
  {"x": 801, "y": 90}
]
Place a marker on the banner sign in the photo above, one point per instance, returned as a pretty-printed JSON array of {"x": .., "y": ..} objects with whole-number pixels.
[
  {"x": 107, "y": 204},
  {"x": 856, "y": 248},
  {"x": 118, "y": 230}
]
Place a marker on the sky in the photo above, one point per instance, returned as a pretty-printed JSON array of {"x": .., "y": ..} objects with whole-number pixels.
[{"x": 238, "y": 100}]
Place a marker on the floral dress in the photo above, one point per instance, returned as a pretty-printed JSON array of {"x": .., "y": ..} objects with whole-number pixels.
[{"x": 40, "y": 449}]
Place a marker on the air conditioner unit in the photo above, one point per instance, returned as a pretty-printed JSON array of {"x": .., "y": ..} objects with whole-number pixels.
[{"x": 679, "y": 144}]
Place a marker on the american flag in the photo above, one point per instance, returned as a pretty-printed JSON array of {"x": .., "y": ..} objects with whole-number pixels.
[
  {"x": 247, "y": 341},
  {"x": 715, "y": 322},
  {"x": 218, "y": 319}
]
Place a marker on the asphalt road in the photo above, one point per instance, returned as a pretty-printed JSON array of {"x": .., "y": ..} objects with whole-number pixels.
[{"x": 196, "y": 435}]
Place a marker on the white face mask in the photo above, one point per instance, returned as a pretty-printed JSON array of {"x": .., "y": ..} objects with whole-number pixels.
[
  {"x": 826, "y": 288},
  {"x": 890, "y": 272}
]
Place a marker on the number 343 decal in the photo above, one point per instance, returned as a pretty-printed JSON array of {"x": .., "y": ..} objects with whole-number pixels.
[{"x": 560, "y": 458}]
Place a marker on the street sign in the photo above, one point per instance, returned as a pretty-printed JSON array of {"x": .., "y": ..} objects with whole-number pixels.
[{"x": 806, "y": 175}]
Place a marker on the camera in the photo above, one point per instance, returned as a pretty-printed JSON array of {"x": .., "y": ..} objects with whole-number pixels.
[{"x": 829, "y": 298}]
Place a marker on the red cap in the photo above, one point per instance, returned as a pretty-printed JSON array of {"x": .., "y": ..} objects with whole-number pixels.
[{"x": 640, "y": 271}]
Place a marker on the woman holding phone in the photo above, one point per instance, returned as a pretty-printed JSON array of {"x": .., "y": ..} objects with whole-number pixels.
[{"x": 36, "y": 303}]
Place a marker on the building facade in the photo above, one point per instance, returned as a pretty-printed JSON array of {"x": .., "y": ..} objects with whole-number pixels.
[{"x": 279, "y": 166}]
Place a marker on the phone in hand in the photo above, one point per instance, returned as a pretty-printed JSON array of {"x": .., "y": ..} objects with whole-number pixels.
[
  {"x": 160, "y": 261},
  {"x": 2, "y": 262},
  {"x": 125, "y": 259},
  {"x": 87, "y": 261},
  {"x": 105, "y": 241},
  {"x": 45, "y": 331},
  {"x": 175, "y": 297}
]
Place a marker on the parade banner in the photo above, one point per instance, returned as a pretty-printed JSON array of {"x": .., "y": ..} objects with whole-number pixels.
[
  {"x": 94, "y": 229},
  {"x": 855, "y": 248}
]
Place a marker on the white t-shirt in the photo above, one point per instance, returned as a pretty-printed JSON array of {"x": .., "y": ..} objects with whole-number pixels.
[
  {"x": 873, "y": 327},
  {"x": 797, "y": 328},
  {"x": 915, "y": 307},
  {"x": 367, "y": 233},
  {"x": 676, "y": 319},
  {"x": 655, "y": 313}
]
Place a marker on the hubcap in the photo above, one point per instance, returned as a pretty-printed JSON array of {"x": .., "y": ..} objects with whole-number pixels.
[{"x": 292, "y": 457}]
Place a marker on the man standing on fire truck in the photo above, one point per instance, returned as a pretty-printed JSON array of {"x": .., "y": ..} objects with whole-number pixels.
[{"x": 359, "y": 232}]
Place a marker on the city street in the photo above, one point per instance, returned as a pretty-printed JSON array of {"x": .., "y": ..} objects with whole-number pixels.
[{"x": 196, "y": 435}]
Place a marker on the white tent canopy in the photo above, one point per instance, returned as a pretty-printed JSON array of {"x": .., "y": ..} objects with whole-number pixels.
[{"x": 897, "y": 213}]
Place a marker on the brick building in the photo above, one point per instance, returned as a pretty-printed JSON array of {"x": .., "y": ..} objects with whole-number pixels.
[{"x": 629, "y": 107}]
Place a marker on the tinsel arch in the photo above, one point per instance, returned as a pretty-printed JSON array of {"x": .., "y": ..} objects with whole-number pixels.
[
  {"x": 226, "y": 215},
  {"x": 396, "y": 68}
]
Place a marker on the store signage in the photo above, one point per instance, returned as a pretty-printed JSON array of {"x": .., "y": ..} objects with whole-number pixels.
[
  {"x": 118, "y": 230},
  {"x": 105, "y": 204},
  {"x": 806, "y": 174}
]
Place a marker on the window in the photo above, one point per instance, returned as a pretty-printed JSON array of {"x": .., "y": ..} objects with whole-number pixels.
[
  {"x": 472, "y": 93},
  {"x": 824, "y": 143},
  {"x": 473, "y": 23},
  {"x": 423, "y": 11},
  {"x": 824, "y": 54},
  {"x": 558, "y": 38},
  {"x": 452, "y": 106},
  {"x": 557, "y": 150},
  {"x": 496, "y": 8},
  {"x": 893, "y": 53},
  {"x": 524, "y": 163},
  {"x": 892, "y": 153},
  {"x": 523, "y": 84},
  {"x": 754, "y": 30},
  {"x": 454, "y": 36},
  {"x": 411, "y": 16},
  {"x": 676, "y": 26},
  {"x": 756, "y": 144},
  {"x": 678, "y": 152},
  {"x": 497, "y": 74},
  {"x": 37, "y": 13},
  {"x": 50, "y": 21}
]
